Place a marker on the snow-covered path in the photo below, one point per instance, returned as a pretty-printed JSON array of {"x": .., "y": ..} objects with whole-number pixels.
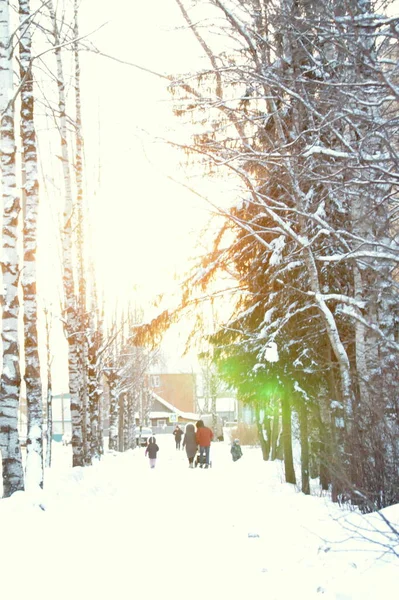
[{"x": 226, "y": 532}]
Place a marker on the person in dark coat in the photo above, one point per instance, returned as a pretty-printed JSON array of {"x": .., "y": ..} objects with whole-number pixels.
[
  {"x": 190, "y": 444},
  {"x": 203, "y": 436},
  {"x": 151, "y": 451},
  {"x": 178, "y": 433},
  {"x": 235, "y": 450}
]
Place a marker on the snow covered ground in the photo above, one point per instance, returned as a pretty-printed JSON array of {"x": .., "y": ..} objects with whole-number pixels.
[{"x": 122, "y": 530}]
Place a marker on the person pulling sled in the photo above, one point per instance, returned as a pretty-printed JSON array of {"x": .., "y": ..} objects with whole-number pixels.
[{"x": 203, "y": 436}]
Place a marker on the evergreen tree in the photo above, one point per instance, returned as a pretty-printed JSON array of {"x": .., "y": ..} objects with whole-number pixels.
[{"x": 300, "y": 109}]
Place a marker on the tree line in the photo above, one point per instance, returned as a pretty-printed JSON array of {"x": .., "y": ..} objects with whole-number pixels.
[
  {"x": 297, "y": 108},
  {"x": 40, "y": 83},
  {"x": 297, "y": 104}
]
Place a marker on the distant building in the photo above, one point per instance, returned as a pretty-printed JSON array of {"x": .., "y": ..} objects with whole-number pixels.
[
  {"x": 178, "y": 389},
  {"x": 61, "y": 409},
  {"x": 163, "y": 415},
  {"x": 226, "y": 407},
  {"x": 173, "y": 399}
]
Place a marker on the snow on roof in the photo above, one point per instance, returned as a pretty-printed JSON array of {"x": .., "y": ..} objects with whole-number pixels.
[
  {"x": 64, "y": 414},
  {"x": 173, "y": 409}
]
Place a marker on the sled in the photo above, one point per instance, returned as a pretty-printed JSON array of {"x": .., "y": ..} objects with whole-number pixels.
[{"x": 200, "y": 462}]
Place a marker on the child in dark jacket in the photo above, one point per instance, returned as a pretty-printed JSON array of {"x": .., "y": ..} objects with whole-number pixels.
[
  {"x": 236, "y": 451},
  {"x": 152, "y": 450}
]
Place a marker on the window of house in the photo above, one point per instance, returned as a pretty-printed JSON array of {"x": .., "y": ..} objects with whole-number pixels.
[
  {"x": 155, "y": 381},
  {"x": 161, "y": 423}
]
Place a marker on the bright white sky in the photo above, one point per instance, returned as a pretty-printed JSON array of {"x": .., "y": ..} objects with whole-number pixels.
[
  {"x": 146, "y": 226},
  {"x": 235, "y": 531}
]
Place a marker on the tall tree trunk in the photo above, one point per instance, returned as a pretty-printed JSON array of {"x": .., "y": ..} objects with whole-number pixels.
[
  {"x": 267, "y": 427},
  {"x": 13, "y": 478},
  {"x": 264, "y": 444},
  {"x": 214, "y": 417},
  {"x": 324, "y": 460},
  {"x": 113, "y": 410},
  {"x": 82, "y": 310},
  {"x": 303, "y": 423},
  {"x": 93, "y": 385},
  {"x": 127, "y": 425},
  {"x": 121, "y": 423},
  {"x": 34, "y": 445},
  {"x": 131, "y": 422},
  {"x": 323, "y": 449},
  {"x": 71, "y": 321},
  {"x": 275, "y": 429},
  {"x": 49, "y": 404},
  {"x": 287, "y": 440}
]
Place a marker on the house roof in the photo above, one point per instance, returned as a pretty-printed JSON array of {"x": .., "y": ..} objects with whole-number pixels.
[
  {"x": 171, "y": 409},
  {"x": 159, "y": 413}
]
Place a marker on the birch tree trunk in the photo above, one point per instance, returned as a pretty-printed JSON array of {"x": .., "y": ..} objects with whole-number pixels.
[
  {"x": 49, "y": 404},
  {"x": 127, "y": 423},
  {"x": 121, "y": 422},
  {"x": 82, "y": 312},
  {"x": 130, "y": 438},
  {"x": 34, "y": 444},
  {"x": 13, "y": 478},
  {"x": 112, "y": 375},
  {"x": 71, "y": 322},
  {"x": 94, "y": 398}
]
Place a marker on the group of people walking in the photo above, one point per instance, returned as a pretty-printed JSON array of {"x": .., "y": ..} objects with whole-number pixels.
[
  {"x": 201, "y": 439},
  {"x": 196, "y": 439},
  {"x": 193, "y": 441}
]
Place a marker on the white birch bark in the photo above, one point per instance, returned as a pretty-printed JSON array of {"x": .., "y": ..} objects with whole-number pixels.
[
  {"x": 94, "y": 390},
  {"x": 49, "y": 403},
  {"x": 82, "y": 311},
  {"x": 113, "y": 377},
  {"x": 371, "y": 222},
  {"x": 34, "y": 445},
  {"x": 13, "y": 479},
  {"x": 70, "y": 310}
]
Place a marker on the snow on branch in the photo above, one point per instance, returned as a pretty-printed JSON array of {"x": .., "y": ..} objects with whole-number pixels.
[
  {"x": 359, "y": 254},
  {"x": 326, "y": 151},
  {"x": 348, "y": 310},
  {"x": 341, "y": 298}
]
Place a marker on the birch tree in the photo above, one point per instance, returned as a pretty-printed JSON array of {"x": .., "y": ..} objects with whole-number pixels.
[
  {"x": 112, "y": 375},
  {"x": 80, "y": 245},
  {"x": 49, "y": 401},
  {"x": 71, "y": 320},
  {"x": 10, "y": 384},
  {"x": 34, "y": 445},
  {"x": 94, "y": 386},
  {"x": 127, "y": 375}
]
